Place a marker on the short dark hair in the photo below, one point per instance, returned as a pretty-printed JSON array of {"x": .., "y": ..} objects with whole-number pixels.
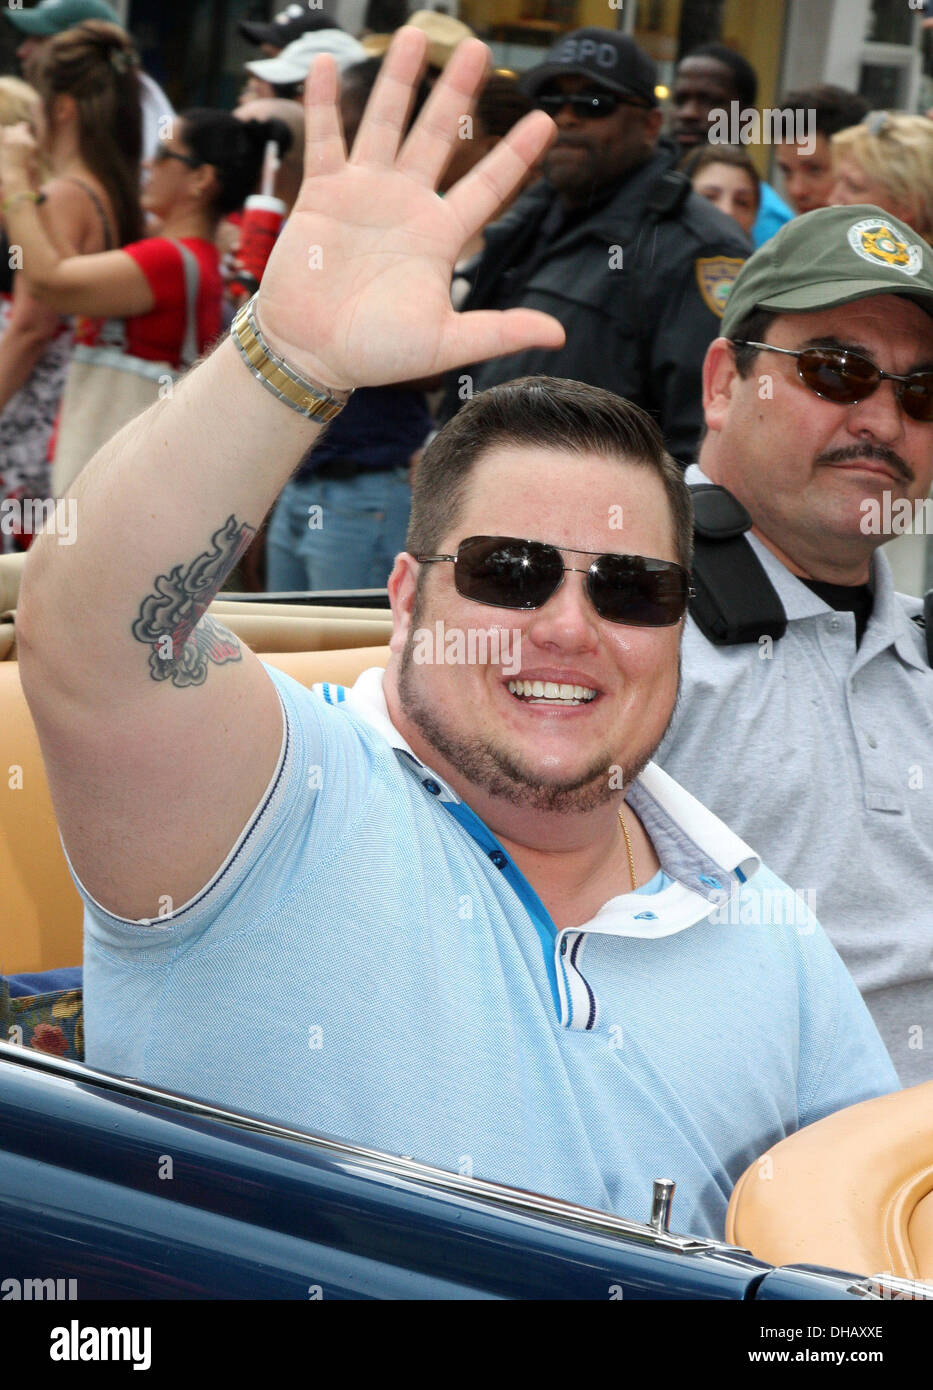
[
  {"x": 834, "y": 108},
  {"x": 358, "y": 80},
  {"x": 753, "y": 327},
  {"x": 736, "y": 155},
  {"x": 501, "y": 104},
  {"x": 549, "y": 413},
  {"x": 234, "y": 148},
  {"x": 744, "y": 76}
]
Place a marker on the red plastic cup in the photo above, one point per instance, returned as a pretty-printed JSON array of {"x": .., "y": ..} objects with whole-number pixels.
[{"x": 262, "y": 221}]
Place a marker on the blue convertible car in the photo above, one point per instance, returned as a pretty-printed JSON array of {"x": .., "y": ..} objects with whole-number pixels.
[{"x": 110, "y": 1188}]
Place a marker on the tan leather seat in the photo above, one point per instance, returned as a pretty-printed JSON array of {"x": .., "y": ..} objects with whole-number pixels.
[
  {"x": 40, "y": 911},
  {"x": 853, "y": 1191},
  {"x": 11, "y": 572}
]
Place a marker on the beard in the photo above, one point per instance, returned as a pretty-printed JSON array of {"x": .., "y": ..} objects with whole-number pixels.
[{"x": 497, "y": 769}]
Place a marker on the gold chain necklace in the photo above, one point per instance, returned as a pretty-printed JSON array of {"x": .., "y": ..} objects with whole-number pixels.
[{"x": 628, "y": 850}]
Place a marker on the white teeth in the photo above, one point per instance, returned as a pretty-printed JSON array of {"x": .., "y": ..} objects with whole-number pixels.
[{"x": 564, "y": 694}]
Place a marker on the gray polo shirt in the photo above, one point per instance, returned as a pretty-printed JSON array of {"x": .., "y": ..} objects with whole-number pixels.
[{"x": 820, "y": 756}]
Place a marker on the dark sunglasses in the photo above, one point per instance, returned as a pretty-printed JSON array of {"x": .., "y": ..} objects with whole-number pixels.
[
  {"x": 504, "y": 572},
  {"x": 583, "y": 103},
  {"x": 162, "y": 152},
  {"x": 846, "y": 377}
]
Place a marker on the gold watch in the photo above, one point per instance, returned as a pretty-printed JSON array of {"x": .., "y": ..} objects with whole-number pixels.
[{"x": 313, "y": 401}]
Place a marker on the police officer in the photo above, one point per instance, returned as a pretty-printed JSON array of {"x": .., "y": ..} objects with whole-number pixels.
[
  {"x": 612, "y": 242},
  {"x": 806, "y": 710}
]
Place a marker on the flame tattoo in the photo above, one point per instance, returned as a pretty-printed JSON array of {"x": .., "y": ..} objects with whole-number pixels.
[{"x": 171, "y": 619}]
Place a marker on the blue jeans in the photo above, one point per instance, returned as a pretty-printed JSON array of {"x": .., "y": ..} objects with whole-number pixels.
[{"x": 330, "y": 534}]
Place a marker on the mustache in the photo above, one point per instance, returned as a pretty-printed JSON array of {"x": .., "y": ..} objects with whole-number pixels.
[{"x": 880, "y": 453}]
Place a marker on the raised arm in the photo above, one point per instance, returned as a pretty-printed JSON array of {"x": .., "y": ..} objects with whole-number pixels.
[
  {"x": 109, "y": 284},
  {"x": 160, "y": 732}
]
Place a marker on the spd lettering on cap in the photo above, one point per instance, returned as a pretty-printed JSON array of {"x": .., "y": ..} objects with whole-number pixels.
[
  {"x": 876, "y": 241},
  {"x": 584, "y": 50}
]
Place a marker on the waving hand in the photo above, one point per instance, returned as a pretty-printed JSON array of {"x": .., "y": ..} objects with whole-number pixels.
[{"x": 357, "y": 290}]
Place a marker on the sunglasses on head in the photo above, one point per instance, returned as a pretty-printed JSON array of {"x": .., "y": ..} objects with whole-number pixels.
[
  {"x": 583, "y": 103},
  {"x": 505, "y": 572},
  {"x": 846, "y": 377}
]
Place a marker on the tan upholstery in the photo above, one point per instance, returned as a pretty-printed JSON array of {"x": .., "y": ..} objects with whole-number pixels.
[
  {"x": 854, "y": 1191},
  {"x": 40, "y": 911},
  {"x": 275, "y": 627},
  {"x": 11, "y": 572}
]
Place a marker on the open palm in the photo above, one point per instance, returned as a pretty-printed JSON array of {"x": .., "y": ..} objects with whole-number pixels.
[{"x": 357, "y": 290}]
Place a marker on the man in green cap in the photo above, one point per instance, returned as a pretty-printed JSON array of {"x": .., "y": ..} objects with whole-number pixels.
[
  {"x": 51, "y": 17},
  {"x": 806, "y": 715}
]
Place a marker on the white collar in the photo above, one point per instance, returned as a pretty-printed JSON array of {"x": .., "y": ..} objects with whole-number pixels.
[{"x": 707, "y": 861}]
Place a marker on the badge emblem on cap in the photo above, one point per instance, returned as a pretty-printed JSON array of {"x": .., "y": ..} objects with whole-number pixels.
[{"x": 877, "y": 242}]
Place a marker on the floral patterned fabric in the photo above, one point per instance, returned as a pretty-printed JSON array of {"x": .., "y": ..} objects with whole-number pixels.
[{"x": 52, "y": 1023}]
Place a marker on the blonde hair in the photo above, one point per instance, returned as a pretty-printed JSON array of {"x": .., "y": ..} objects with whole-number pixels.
[
  {"x": 896, "y": 151},
  {"x": 19, "y": 102}
]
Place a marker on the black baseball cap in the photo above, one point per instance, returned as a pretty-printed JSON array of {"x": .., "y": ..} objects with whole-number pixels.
[
  {"x": 287, "y": 26},
  {"x": 612, "y": 59}
]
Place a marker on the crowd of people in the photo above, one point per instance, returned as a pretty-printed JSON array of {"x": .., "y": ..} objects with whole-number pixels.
[
  {"x": 83, "y": 348},
  {"x": 606, "y": 391}
]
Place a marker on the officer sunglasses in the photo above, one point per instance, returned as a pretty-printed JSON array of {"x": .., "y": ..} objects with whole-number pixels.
[
  {"x": 584, "y": 103},
  {"x": 505, "y": 572},
  {"x": 846, "y": 377}
]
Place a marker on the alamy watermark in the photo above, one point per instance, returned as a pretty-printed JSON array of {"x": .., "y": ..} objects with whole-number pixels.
[
  {"x": 441, "y": 645},
  {"x": 769, "y": 907},
  {"x": 771, "y": 126},
  {"x": 896, "y": 516},
  {"x": 24, "y": 516}
]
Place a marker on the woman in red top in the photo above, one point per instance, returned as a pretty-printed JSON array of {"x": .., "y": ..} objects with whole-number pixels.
[{"x": 155, "y": 304}]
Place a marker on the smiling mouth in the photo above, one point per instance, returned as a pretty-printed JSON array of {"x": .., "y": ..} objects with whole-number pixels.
[{"x": 550, "y": 693}]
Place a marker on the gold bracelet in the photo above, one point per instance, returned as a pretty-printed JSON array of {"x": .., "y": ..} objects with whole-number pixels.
[
  {"x": 18, "y": 198},
  {"x": 307, "y": 397}
]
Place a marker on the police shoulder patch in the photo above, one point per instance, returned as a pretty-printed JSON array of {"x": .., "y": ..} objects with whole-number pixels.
[{"x": 715, "y": 276}]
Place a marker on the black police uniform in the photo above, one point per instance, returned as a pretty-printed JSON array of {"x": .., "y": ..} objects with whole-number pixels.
[{"x": 638, "y": 282}]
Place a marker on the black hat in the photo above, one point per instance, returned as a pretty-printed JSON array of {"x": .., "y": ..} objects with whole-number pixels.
[
  {"x": 289, "y": 24},
  {"x": 610, "y": 58}
]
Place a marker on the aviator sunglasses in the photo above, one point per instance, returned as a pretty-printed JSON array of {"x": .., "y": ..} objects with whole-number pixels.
[
  {"x": 504, "y": 572},
  {"x": 846, "y": 377}
]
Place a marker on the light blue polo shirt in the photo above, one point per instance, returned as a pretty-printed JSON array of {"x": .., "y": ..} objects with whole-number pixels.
[{"x": 369, "y": 963}]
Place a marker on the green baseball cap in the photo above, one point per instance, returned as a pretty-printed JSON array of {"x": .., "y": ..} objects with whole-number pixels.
[
  {"x": 832, "y": 256},
  {"x": 55, "y": 16}
]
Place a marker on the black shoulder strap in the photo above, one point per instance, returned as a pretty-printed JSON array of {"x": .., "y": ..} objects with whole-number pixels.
[
  {"x": 668, "y": 195},
  {"x": 735, "y": 601}
]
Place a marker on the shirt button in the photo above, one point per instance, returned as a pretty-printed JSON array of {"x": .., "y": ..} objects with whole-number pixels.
[
  {"x": 563, "y": 947},
  {"x": 833, "y": 624},
  {"x": 432, "y": 787},
  {"x": 498, "y": 858},
  {"x": 871, "y": 740}
]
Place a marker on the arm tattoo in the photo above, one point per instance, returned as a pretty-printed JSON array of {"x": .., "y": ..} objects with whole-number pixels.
[{"x": 170, "y": 619}]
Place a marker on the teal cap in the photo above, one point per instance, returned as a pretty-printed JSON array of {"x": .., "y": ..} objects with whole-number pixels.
[{"x": 55, "y": 16}]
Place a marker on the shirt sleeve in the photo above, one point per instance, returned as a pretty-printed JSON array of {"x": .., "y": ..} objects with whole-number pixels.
[
  {"x": 842, "y": 1058},
  {"x": 683, "y": 315},
  {"x": 161, "y": 264},
  {"x": 317, "y": 791}
]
